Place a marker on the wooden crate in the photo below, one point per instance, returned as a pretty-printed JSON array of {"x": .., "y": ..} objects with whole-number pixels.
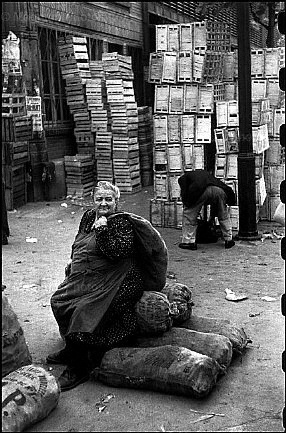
[
  {"x": 273, "y": 92},
  {"x": 213, "y": 67},
  {"x": 257, "y": 63},
  {"x": 161, "y": 37},
  {"x": 174, "y": 187},
  {"x": 273, "y": 174},
  {"x": 219, "y": 92},
  {"x": 191, "y": 97},
  {"x": 156, "y": 212},
  {"x": 278, "y": 120},
  {"x": 172, "y": 214},
  {"x": 231, "y": 166},
  {"x": 206, "y": 99},
  {"x": 271, "y": 64},
  {"x": 229, "y": 66},
  {"x": 187, "y": 128},
  {"x": 176, "y": 99},
  {"x": 259, "y": 165},
  {"x": 203, "y": 128},
  {"x": 160, "y": 125},
  {"x": 185, "y": 66},
  {"x": 234, "y": 216},
  {"x": 198, "y": 64},
  {"x": 175, "y": 158},
  {"x": 230, "y": 91},
  {"x": 220, "y": 140},
  {"x": 156, "y": 61},
  {"x": 198, "y": 157},
  {"x": 13, "y": 105},
  {"x": 220, "y": 166},
  {"x": 232, "y": 113},
  {"x": 160, "y": 158},
  {"x": 174, "y": 128},
  {"x": 169, "y": 74},
  {"x": 161, "y": 186},
  {"x": 16, "y": 186},
  {"x": 275, "y": 154},
  {"x": 221, "y": 113},
  {"x": 186, "y": 37},
  {"x": 232, "y": 142},
  {"x": 187, "y": 152},
  {"x": 173, "y": 37},
  {"x": 258, "y": 89},
  {"x": 199, "y": 35},
  {"x": 161, "y": 101}
]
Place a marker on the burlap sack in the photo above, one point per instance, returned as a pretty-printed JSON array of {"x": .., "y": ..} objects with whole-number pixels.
[
  {"x": 180, "y": 298},
  {"x": 15, "y": 352},
  {"x": 217, "y": 347},
  {"x": 169, "y": 369},
  {"x": 29, "y": 394},
  {"x": 153, "y": 313},
  {"x": 236, "y": 335}
]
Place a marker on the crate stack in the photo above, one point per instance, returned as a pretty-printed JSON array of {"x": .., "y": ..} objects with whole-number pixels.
[
  {"x": 187, "y": 63},
  {"x": 74, "y": 62},
  {"x": 123, "y": 112},
  {"x": 79, "y": 175},
  {"x": 267, "y": 115},
  {"x": 271, "y": 60},
  {"x": 145, "y": 137}
]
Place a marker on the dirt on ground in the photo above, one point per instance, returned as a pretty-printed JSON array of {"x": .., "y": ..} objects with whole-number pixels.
[{"x": 250, "y": 397}]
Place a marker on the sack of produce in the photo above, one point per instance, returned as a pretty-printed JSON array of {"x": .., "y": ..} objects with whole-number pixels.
[
  {"x": 153, "y": 313},
  {"x": 217, "y": 347},
  {"x": 169, "y": 369},
  {"x": 29, "y": 394},
  {"x": 15, "y": 352},
  {"x": 180, "y": 298},
  {"x": 236, "y": 335}
]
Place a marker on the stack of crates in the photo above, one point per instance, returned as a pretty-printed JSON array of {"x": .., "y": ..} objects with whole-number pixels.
[
  {"x": 145, "y": 139},
  {"x": 123, "y": 113},
  {"x": 79, "y": 175},
  {"x": 182, "y": 69}
]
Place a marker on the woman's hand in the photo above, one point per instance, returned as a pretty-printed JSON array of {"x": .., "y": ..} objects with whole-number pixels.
[{"x": 102, "y": 221}]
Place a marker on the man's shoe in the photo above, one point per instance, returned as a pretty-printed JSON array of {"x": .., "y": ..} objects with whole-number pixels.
[
  {"x": 61, "y": 357},
  {"x": 229, "y": 244},
  {"x": 191, "y": 246},
  {"x": 72, "y": 377}
]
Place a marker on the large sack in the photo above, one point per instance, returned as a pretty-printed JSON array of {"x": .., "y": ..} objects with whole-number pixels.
[
  {"x": 15, "y": 352},
  {"x": 153, "y": 313},
  {"x": 180, "y": 298},
  {"x": 169, "y": 369},
  {"x": 236, "y": 335},
  {"x": 151, "y": 252},
  {"x": 29, "y": 394},
  {"x": 217, "y": 347}
]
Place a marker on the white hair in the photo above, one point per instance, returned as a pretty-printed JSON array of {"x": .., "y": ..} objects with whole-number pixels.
[{"x": 108, "y": 186}]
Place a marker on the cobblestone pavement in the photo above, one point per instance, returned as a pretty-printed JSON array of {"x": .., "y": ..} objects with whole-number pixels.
[{"x": 250, "y": 396}]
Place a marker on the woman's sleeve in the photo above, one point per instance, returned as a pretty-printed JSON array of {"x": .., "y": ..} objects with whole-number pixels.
[{"x": 117, "y": 239}]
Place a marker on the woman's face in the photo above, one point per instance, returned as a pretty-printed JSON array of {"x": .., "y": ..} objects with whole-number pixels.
[{"x": 105, "y": 203}]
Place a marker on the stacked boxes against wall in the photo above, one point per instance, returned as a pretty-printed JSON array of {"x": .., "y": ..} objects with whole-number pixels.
[
  {"x": 145, "y": 138},
  {"x": 124, "y": 121},
  {"x": 187, "y": 62},
  {"x": 74, "y": 62},
  {"x": 16, "y": 125},
  {"x": 271, "y": 60}
]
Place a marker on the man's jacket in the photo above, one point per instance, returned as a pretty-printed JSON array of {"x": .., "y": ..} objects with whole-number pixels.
[{"x": 193, "y": 184}]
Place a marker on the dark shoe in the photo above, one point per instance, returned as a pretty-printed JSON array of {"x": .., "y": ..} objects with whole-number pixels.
[
  {"x": 72, "y": 377},
  {"x": 192, "y": 246},
  {"x": 61, "y": 357},
  {"x": 229, "y": 244}
]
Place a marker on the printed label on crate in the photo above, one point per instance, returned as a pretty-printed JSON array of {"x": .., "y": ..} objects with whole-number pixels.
[
  {"x": 174, "y": 128},
  {"x": 173, "y": 37},
  {"x": 162, "y": 98},
  {"x": 169, "y": 74},
  {"x": 185, "y": 62},
  {"x": 176, "y": 102},
  {"x": 191, "y": 97},
  {"x": 186, "y": 37},
  {"x": 162, "y": 38},
  {"x": 187, "y": 128}
]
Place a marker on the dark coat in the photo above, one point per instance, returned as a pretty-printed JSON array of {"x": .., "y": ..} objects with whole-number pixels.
[{"x": 193, "y": 184}]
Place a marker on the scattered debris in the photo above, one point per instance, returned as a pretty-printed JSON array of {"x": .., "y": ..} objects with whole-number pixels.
[
  {"x": 171, "y": 276},
  {"x": 254, "y": 314},
  {"x": 64, "y": 205},
  {"x": 60, "y": 221},
  {"x": 207, "y": 413},
  {"x": 31, "y": 240},
  {"x": 29, "y": 286},
  {"x": 72, "y": 213},
  {"x": 231, "y": 296},
  {"x": 268, "y": 298},
  {"x": 266, "y": 236},
  {"x": 203, "y": 418},
  {"x": 101, "y": 405}
]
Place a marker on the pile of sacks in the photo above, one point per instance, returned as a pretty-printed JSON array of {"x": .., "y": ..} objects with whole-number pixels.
[
  {"x": 176, "y": 352},
  {"x": 29, "y": 392}
]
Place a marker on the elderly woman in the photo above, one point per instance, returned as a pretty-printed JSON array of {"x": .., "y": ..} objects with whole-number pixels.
[{"x": 113, "y": 255}]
